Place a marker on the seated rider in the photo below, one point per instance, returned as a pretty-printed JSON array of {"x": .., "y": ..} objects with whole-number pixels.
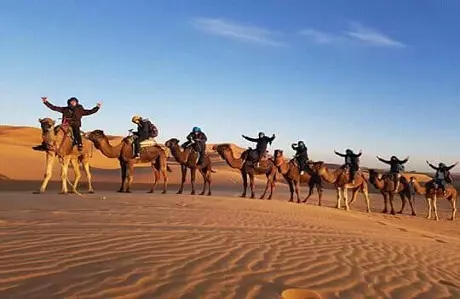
[
  {"x": 351, "y": 161},
  {"x": 442, "y": 176},
  {"x": 262, "y": 144},
  {"x": 396, "y": 167},
  {"x": 301, "y": 155},
  {"x": 197, "y": 139},
  {"x": 145, "y": 130},
  {"x": 71, "y": 115}
]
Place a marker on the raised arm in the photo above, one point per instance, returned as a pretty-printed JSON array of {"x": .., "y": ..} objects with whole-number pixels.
[
  {"x": 383, "y": 160},
  {"x": 294, "y": 146},
  {"x": 52, "y": 107},
  {"x": 250, "y": 139},
  {"x": 339, "y": 154},
  {"x": 452, "y": 166},
  {"x": 90, "y": 111},
  {"x": 358, "y": 155},
  {"x": 404, "y": 161},
  {"x": 432, "y": 166},
  {"x": 270, "y": 139}
]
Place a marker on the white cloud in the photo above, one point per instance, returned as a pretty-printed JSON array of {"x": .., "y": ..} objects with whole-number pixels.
[
  {"x": 320, "y": 37},
  {"x": 372, "y": 37},
  {"x": 240, "y": 32},
  {"x": 357, "y": 33}
]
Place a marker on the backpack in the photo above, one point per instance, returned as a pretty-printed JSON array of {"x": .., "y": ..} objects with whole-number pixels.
[{"x": 153, "y": 131}]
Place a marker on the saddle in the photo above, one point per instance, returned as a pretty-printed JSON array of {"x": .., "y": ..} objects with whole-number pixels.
[{"x": 69, "y": 132}]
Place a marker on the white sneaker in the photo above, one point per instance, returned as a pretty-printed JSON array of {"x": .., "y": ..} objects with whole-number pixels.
[{"x": 302, "y": 172}]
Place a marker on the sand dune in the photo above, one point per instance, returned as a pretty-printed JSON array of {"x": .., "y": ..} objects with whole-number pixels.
[
  {"x": 152, "y": 246},
  {"x": 169, "y": 246}
]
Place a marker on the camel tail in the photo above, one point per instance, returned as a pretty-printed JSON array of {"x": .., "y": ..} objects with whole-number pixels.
[{"x": 169, "y": 169}]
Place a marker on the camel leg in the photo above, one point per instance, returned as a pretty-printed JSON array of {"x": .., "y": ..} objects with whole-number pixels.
[
  {"x": 296, "y": 186},
  {"x": 205, "y": 181},
  {"x": 156, "y": 177},
  {"x": 385, "y": 202},
  {"x": 454, "y": 208},
  {"x": 164, "y": 171},
  {"x": 183, "y": 170},
  {"x": 129, "y": 177},
  {"x": 339, "y": 198},
  {"x": 272, "y": 187},
  {"x": 89, "y": 177},
  {"x": 50, "y": 159},
  {"x": 291, "y": 190},
  {"x": 345, "y": 199},
  {"x": 354, "y": 195},
  {"x": 428, "y": 203},
  {"x": 76, "y": 170},
  {"x": 251, "y": 184},
  {"x": 208, "y": 178},
  {"x": 403, "y": 202},
  {"x": 391, "y": 199},
  {"x": 64, "y": 174},
  {"x": 412, "y": 204},
  {"x": 367, "y": 199},
  {"x": 266, "y": 187},
  {"x": 245, "y": 183},
  {"x": 319, "y": 189},
  {"x": 435, "y": 208},
  {"x": 123, "y": 176},
  {"x": 192, "y": 179},
  {"x": 310, "y": 192}
]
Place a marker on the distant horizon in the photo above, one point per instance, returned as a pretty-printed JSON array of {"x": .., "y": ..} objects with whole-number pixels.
[{"x": 379, "y": 76}]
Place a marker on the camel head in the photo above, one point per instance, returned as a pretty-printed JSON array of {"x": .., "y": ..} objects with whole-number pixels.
[
  {"x": 278, "y": 157},
  {"x": 173, "y": 142},
  {"x": 221, "y": 148},
  {"x": 46, "y": 124},
  {"x": 96, "y": 137},
  {"x": 373, "y": 175}
]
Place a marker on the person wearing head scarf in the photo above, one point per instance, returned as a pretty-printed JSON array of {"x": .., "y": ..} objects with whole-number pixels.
[
  {"x": 396, "y": 167},
  {"x": 352, "y": 161},
  {"x": 262, "y": 143}
]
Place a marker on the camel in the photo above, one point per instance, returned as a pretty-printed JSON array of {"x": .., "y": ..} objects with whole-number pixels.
[
  {"x": 385, "y": 184},
  {"x": 247, "y": 168},
  {"x": 432, "y": 194},
  {"x": 154, "y": 154},
  {"x": 60, "y": 145},
  {"x": 188, "y": 159},
  {"x": 291, "y": 174},
  {"x": 340, "y": 179}
]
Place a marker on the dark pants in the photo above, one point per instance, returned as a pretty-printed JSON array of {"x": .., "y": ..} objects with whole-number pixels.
[
  {"x": 260, "y": 155},
  {"x": 441, "y": 183},
  {"x": 76, "y": 133},
  {"x": 137, "y": 142},
  {"x": 200, "y": 148},
  {"x": 302, "y": 161},
  {"x": 353, "y": 170}
]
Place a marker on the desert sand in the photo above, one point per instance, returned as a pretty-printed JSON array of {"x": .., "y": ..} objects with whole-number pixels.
[{"x": 139, "y": 245}]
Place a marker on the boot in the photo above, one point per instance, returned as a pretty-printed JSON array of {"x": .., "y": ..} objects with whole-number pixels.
[
  {"x": 80, "y": 147},
  {"x": 41, "y": 147}
]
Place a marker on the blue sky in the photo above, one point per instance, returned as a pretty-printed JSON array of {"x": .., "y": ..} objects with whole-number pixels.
[{"x": 381, "y": 76}]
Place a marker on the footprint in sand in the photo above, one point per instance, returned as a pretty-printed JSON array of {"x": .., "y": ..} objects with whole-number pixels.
[{"x": 299, "y": 294}]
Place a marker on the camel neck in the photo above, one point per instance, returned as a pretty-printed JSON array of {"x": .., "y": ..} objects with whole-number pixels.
[
  {"x": 233, "y": 162},
  {"x": 178, "y": 154},
  {"x": 110, "y": 151}
]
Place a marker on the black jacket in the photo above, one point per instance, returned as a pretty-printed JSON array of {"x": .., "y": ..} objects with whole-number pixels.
[
  {"x": 72, "y": 115},
  {"x": 301, "y": 150},
  {"x": 262, "y": 143},
  {"x": 396, "y": 166},
  {"x": 352, "y": 159},
  {"x": 198, "y": 137}
]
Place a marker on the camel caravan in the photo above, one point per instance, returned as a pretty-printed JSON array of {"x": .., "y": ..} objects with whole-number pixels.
[{"x": 67, "y": 144}]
